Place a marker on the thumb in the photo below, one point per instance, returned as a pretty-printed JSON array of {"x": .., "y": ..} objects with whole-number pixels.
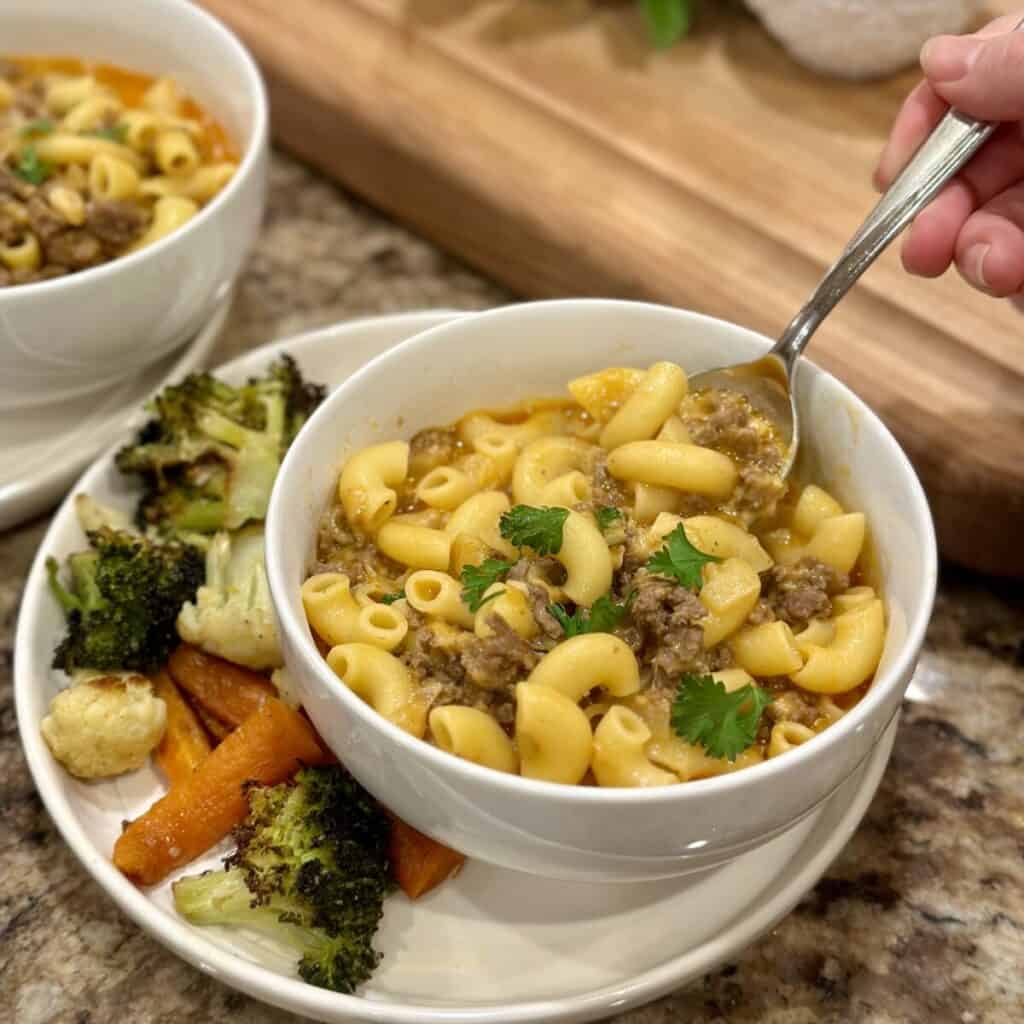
[{"x": 981, "y": 75}]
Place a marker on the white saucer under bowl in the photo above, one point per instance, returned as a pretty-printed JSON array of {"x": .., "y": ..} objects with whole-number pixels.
[
  {"x": 492, "y": 946},
  {"x": 45, "y": 448}
]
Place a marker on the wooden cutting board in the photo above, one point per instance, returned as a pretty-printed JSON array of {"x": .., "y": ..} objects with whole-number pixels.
[{"x": 546, "y": 143}]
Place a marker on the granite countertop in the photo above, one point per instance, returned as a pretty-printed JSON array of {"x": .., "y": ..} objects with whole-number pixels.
[{"x": 920, "y": 919}]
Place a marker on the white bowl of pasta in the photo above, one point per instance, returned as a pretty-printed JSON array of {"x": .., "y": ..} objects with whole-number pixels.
[
  {"x": 133, "y": 151},
  {"x": 595, "y": 637}
]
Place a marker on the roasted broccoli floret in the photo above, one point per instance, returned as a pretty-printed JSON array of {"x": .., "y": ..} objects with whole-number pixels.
[
  {"x": 208, "y": 458},
  {"x": 232, "y": 616},
  {"x": 122, "y": 601},
  {"x": 311, "y": 868}
]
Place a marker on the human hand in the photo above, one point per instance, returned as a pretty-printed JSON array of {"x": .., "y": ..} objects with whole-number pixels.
[{"x": 978, "y": 219}]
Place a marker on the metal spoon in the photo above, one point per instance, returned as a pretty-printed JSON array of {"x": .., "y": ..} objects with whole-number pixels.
[{"x": 768, "y": 382}]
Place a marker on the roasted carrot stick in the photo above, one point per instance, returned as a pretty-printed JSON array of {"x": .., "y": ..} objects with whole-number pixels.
[
  {"x": 185, "y": 744},
  {"x": 420, "y": 863},
  {"x": 214, "y": 727},
  {"x": 268, "y": 747},
  {"x": 229, "y": 692}
]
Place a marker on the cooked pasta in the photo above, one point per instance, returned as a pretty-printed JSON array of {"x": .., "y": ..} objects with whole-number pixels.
[
  {"x": 563, "y": 571},
  {"x": 96, "y": 162}
]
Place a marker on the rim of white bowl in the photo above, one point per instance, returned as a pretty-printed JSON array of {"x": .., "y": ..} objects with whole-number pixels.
[
  {"x": 256, "y": 144},
  {"x": 298, "y": 631}
]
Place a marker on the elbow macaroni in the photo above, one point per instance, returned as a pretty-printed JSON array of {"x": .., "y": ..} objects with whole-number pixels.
[
  {"x": 518, "y": 681},
  {"x": 645, "y": 412},
  {"x": 620, "y": 757},
  {"x": 553, "y": 734},
  {"x": 586, "y": 559},
  {"x": 381, "y": 680},
  {"x": 368, "y": 481},
  {"x": 337, "y": 617},
  {"x": 583, "y": 663},
  {"x": 169, "y": 214},
  {"x": 437, "y": 594},
  {"x": 474, "y": 736},
  {"x": 684, "y": 467}
]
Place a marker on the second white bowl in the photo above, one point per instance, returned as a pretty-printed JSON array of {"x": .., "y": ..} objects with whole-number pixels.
[
  {"x": 580, "y": 832},
  {"x": 79, "y": 333}
]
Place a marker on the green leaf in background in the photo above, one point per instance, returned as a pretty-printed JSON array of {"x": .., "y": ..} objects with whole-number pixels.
[{"x": 667, "y": 20}]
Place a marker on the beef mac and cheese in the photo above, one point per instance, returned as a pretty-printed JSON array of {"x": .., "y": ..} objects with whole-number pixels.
[
  {"x": 95, "y": 162},
  {"x": 613, "y": 589}
]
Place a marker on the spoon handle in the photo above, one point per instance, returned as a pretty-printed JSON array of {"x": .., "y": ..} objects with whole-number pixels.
[{"x": 953, "y": 142}]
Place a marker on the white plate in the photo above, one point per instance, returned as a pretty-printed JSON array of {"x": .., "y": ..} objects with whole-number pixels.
[
  {"x": 491, "y": 946},
  {"x": 45, "y": 448}
]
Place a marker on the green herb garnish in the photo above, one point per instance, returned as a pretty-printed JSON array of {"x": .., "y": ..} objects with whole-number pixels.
[
  {"x": 536, "y": 528},
  {"x": 723, "y": 723},
  {"x": 477, "y": 578},
  {"x": 603, "y": 617},
  {"x": 115, "y": 133},
  {"x": 667, "y": 20},
  {"x": 490, "y": 597},
  {"x": 679, "y": 559},
  {"x": 392, "y": 598},
  {"x": 608, "y": 516},
  {"x": 41, "y": 126},
  {"x": 30, "y": 168}
]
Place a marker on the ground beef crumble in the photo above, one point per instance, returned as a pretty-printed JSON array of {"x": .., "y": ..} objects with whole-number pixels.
[
  {"x": 427, "y": 657},
  {"x": 500, "y": 660},
  {"x": 800, "y": 592},
  {"x": 669, "y": 618},
  {"x": 540, "y": 601},
  {"x": 477, "y": 672},
  {"x": 114, "y": 223},
  {"x": 431, "y": 448}
]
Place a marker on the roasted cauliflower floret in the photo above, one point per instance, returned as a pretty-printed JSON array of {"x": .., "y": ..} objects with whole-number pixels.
[
  {"x": 104, "y": 726},
  {"x": 232, "y": 616}
]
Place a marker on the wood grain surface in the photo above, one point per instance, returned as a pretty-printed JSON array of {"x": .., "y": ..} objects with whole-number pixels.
[{"x": 545, "y": 142}]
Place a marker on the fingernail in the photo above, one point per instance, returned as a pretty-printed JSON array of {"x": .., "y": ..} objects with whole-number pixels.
[
  {"x": 974, "y": 263},
  {"x": 949, "y": 58}
]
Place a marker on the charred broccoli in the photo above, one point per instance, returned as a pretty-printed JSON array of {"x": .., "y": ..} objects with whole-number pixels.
[
  {"x": 208, "y": 458},
  {"x": 124, "y": 595},
  {"x": 311, "y": 868}
]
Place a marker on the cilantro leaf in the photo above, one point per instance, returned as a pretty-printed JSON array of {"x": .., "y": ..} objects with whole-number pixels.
[
  {"x": 392, "y": 598},
  {"x": 30, "y": 168},
  {"x": 41, "y": 126},
  {"x": 606, "y": 516},
  {"x": 724, "y": 723},
  {"x": 536, "y": 528},
  {"x": 490, "y": 597},
  {"x": 477, "y": 578},
  {"x": 572, "y": 625},
  {"x": 603, "y": 617},
  {"x": 679, "y": 559},
  {"x": 115, "y": 133},
  {"x": 667, "y": 20}
]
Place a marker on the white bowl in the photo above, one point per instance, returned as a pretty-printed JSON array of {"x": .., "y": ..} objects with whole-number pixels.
[
  {"x": 581, "y": 832},
  {"x": 81, "y": 332}
]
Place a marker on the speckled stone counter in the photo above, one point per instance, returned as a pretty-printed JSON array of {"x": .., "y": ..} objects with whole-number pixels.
[{"x": 920, "y": 919}]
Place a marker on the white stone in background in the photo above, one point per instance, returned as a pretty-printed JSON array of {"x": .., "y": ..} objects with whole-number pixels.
[
  {"x": 39, "y": 1002},
  {"x": 862, "y": 38}
]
